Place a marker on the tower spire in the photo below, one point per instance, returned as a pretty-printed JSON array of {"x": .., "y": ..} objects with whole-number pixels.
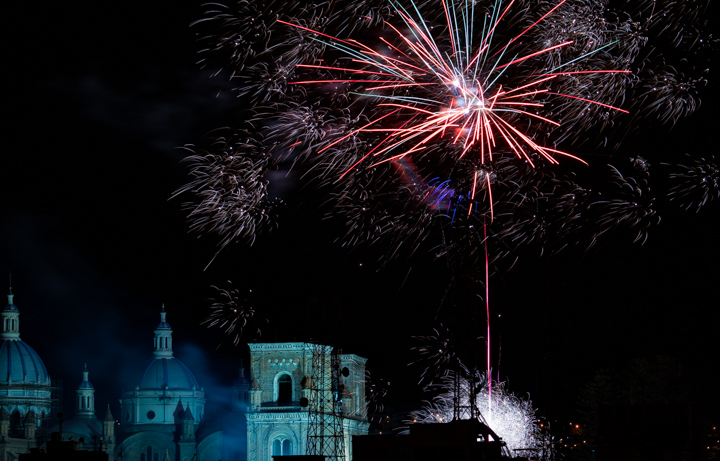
[
  {"x": 85, "y": 397},
  {"x": 10, "y": 295},
  {"x": 163, "y": 337},
  {"x": 10, "y": 317}
]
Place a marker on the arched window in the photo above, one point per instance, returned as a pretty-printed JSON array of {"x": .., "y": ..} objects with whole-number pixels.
[
  {"x": 149, "y": 455},
  {"x": 277, "y": 447},
  {"x": 284, "y": 384},
  {"x": 282, "y": 447}
]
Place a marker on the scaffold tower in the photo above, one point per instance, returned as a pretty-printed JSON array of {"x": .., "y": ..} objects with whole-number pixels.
[{"x": 325, "y": 428}]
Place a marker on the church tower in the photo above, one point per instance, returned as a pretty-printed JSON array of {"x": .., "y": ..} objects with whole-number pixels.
[
  {"x": 11, "y": 319},
  {"x": 108, "y": 434},
  {"x": 277, "y": 417},
  {"x": 85, "y": 398},
  {"x": 84, "y": 425}
]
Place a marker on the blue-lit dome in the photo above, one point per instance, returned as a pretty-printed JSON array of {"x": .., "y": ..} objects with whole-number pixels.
[
  {"x": 167, "y": 389},
  {"x": 20, "y": 363},
  {"x": 167, "y": 373},
  {"x": 90, "y": 429}
]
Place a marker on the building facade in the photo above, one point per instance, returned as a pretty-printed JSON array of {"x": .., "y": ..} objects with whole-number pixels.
[{"x": 279, "y": 413}]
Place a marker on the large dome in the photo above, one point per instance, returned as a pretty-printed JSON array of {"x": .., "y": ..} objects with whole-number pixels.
[
  {"x": 167, "y": 390},
  {"x": 167, "y": 373},
  {"x": 20, "y": 363}
]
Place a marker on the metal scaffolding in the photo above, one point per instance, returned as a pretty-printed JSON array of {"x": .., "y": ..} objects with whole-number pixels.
[{"x": 325, "y": 435}]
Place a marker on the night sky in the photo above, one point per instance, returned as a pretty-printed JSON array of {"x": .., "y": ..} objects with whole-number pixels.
[{"x": 97, "y": 101}]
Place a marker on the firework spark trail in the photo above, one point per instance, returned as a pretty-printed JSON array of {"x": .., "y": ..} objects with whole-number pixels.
[
  {"x": 262, "y": 52},
  {"x": 232, "y": 312},
  {"x": 487, "y": 314},
  {"x": 469, "y": 103},
  {"x": 465, "y": 102},
  {"x": 687, "y": 190},
  {"x": 513, "y": 72}
]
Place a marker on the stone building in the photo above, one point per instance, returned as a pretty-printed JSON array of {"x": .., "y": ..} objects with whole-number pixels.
[
  {"x": 161, "y": 416},
  {"x": 85, "y": 427},
  {"x": 26, "y": 391},
  {"x": 278, "y": 415}
]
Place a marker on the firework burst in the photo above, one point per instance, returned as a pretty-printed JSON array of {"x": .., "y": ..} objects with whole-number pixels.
[
  {"x": 458, "y": 89},
  {"x": 232, "y": 312},
  {"x": 696, "y": 182},
  {"x": 443, "y": 126},
  {"x": 512, "y": 418},
  {"x": 228, "y": 179},
  {"x": 413, "y": 115}
]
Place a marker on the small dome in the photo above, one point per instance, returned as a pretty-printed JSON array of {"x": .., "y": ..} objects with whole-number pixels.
[
  {"x": 19, "y": 362},
  {"x": 168, "y": 373},
  {"x": 90, "y": 429}
]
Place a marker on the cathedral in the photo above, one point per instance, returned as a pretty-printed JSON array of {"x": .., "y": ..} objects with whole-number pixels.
[{"x": 162, "y": 418}]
